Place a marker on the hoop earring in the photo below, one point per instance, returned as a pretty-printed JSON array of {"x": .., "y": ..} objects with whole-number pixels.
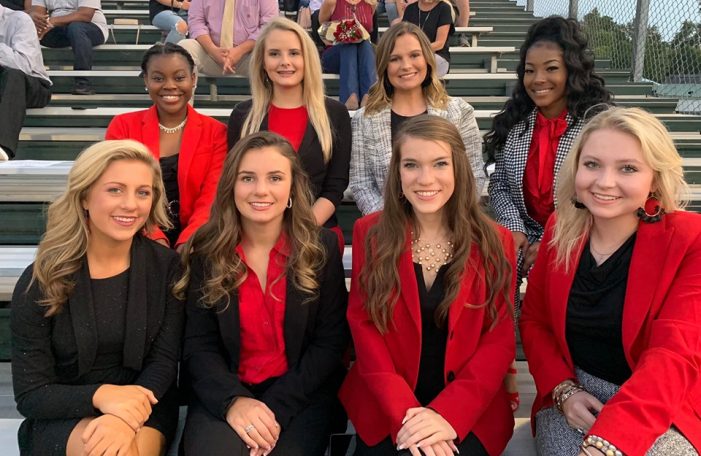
[
  {"x": 645, "y": 216},
  {"x": 289, "y": 203},
  {"x": 578, "y": 204}
]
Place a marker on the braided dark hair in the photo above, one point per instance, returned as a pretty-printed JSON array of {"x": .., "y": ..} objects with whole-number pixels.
[
  {"x": 165, "y": 49},
  {"x": 584, "y": 87}
]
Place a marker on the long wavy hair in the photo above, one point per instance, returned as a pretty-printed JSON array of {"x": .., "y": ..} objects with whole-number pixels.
[
  {"x": 380, "y": 94},
  {"x": 65, "y": 243},
  {"x": 467, "y": 222},
  {"x": 215, "y": 242},
  {"x": 585, "y": 89},
  {"x": 313, "y": 86},
  {"x": 573, "y": 225}
]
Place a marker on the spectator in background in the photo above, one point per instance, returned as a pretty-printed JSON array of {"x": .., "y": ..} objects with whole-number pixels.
[
  {"x": 78, "y": 24},
  {"x": 23, "y": 79},
  {"x": 435, "y": 18},
  {"x": 221, "y": 37},
  {"x": 170, "y": 16}
]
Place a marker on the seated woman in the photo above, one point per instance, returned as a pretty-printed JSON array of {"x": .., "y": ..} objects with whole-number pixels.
[
  {"x": 408, "y": 87},
  {"x": 430, "y": 307},
  {"x": 266, "y": 306},
  {"x": 611, "y": 322},
  {"x": 353, "y": 62},
  {"x": 288, "y": 99},
  {"x": 96, "y": 330},
  {"x": 191, "y": 147},
  {"x": 170, "y": 16},
  {"x": 435, "y": 18}
]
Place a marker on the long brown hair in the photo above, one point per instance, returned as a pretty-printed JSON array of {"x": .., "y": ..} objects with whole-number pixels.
[
  {"x": 216, "y": 240},
  {"x": 65, "y": 243},
  {"x": 467, "y": 222}
]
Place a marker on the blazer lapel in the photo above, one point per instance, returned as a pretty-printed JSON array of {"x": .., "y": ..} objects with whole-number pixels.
[
  {"x": 137, "y": 308},
  {"x": 467, "y": 286},
  {"x": 189, "y": 143},
  {"x": 520, "y": 156},
  {"x": 295, "y": 325},
  {"x": 563, "y": 149},
  {"x": 150, "y": 133},
  {"x": 561, "y": 284},
  {"x": 83, "y": 320},
  {"x": 409, "y": 294},
  {"x": 230, "y": 327}
]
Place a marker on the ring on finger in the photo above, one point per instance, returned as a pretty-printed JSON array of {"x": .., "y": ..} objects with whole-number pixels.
[{"x": 249, "y": 428}]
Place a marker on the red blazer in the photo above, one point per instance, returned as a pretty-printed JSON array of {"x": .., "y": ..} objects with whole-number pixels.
[
  {"x": 661, "y": 334},
  {"x": 380, "y": 385},
  {"x": 202, "y": 153}
]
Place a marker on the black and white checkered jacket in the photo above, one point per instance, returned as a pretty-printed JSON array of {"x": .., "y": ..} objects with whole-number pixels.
[{"x": 506, "y": 183}]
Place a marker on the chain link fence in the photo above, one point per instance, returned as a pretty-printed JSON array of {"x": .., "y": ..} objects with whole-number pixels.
[{"x": 667, "y": 44}]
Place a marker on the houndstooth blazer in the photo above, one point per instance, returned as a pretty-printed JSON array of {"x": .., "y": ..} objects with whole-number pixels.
[
  {"x": 372, "y": 149},
  {"x": 506, "y": 183}
]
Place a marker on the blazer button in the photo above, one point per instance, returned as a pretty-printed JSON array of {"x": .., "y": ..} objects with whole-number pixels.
[{"x": 451, "y": 376}]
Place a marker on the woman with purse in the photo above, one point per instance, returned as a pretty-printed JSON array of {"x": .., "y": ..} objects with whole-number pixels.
[
  {"x": 288, "y": 99},
  {"x": 350, "y": 54},
  {"x": 408, "y": 86},
  {"x": 611, "y": 321},
  {"x": 430, "y": 308}
]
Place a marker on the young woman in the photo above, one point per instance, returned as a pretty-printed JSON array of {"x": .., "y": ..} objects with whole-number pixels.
[
  {"x": 435, "y": 18},
  {"x": 190, "y": 146},
  {"x": 611, "y": 319},
  {"x": 430, "y": 307},
  {"x": 353, "y": 62},
  {"x": 170, "y": 16},
  {"x": 266, "y": 309},
  {"x": 96, "y": 330},
  {"x": 288, "y": 99},
  {"x": 407, "y": 87}
]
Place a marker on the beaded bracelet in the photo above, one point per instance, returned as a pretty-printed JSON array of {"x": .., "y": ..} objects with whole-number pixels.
[
  {"x": 566, "y": 394},
  {"x": 558, "y": 389},
  {"x": 602, "y": 445}
]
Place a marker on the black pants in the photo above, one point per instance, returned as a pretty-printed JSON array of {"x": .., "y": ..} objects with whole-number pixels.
[
  {"x": 17, "y": 93},
  {"x": 471, "y": 446}
]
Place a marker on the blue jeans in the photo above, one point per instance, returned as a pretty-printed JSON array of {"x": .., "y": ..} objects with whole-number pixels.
[
  {"x": 355, "y": 64},
  {"x": 167, "y": 21},
  {"x": 389, "y": 8},
  {"x": 80, "y": 37}
]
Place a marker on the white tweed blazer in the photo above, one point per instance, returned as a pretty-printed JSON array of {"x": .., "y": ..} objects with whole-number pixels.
[{"x": 372, "y": 149}]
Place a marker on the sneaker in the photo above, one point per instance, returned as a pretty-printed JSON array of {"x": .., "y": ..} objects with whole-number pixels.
[{"x": 82, "y": 89}]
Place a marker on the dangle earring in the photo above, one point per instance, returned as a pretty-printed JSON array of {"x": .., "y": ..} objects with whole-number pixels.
[
  {"x": 578, "y": 204},
  {"x": 647, "y": 217},
  {"x": 289, "y": 203}
]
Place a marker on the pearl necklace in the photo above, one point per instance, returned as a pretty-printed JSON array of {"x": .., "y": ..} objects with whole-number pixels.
[
  {"x": 431, "y": 256},
  {"x": 175, "y": 129}
]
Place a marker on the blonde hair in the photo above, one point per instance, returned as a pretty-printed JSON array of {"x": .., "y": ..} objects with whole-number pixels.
[
  {"x": 380, "y": 94},
  {"x": 313, "y": 86},
  {"x": 659, "y": 152},
  {"x": 63, "y": 246}
]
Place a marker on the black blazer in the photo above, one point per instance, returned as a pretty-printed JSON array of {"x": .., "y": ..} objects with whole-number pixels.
[
  {"x": 329, "y": 180},
  {"x": 50, "y": 355},
  {"x": 316, "y": 335}
]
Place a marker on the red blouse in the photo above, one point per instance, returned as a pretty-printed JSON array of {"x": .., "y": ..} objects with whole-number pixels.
[
  {"x": 538, "y": 177},
  {"x": 262, "y": 316},
  {"x": 290, "y": 123}
]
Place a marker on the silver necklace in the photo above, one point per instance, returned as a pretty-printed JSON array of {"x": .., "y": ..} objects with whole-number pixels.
[
  {"x": 174, "y": 129},
  {"x": 421, "y": 25}
]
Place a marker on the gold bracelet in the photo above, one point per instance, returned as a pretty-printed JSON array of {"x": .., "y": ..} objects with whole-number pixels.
[{"x": 566, "y": 394}]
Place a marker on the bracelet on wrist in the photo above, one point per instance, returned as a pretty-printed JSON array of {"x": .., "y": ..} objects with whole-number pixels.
[
  {"x": 606, "y": 447},
  {"x": 566, "y": 393},
  {"x": 558, "y": 389}
]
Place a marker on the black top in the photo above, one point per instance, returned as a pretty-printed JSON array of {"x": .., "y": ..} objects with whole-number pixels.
[
  {"x": 110, "y": 303},
  {"x": 155, "y": 7},
  {"x": 433, "y": 338},
  {"x": 397, "y": 121},
  {"x": 17, "y": 5},
  {"x": 430, "y": 21},
  {"x": 595, "y": 314},
  {"x": 169, "y": 169}
]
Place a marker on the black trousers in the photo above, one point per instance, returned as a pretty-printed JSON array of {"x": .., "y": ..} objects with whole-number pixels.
[
  {"x": 17, "y": 93},
  {"x": 471, "y": 446}
]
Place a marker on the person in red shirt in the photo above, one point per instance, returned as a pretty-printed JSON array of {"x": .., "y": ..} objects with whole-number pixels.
[
  {"x": 430, "y": 307},
  {"x": 288, "y": 99},
  {"x": 266, "y": 325}
]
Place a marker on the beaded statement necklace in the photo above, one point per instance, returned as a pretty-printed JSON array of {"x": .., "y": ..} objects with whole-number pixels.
[
  {"x": 174, "y": 129},
  {"x": 431, "y": 256}
]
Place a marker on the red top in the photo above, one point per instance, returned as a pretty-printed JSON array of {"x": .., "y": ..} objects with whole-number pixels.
[
  {"x": 290, "y": 123},
  {"x": 262, "y": 316},
  {"x": 538, "y": 178}
]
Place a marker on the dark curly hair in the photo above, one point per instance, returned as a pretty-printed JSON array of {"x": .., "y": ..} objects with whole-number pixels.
[
  {"x": 165, "y": 49},
  {"x": 584, "y": 87}
]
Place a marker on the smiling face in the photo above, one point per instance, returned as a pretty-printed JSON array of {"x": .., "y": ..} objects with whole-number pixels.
[
  {"x": 613, "y": 180},
  {"x": 119, "y": 202},
  {"x": 427, "y": 175},
  {"x": 170, "y": 83},
  {"x": 263, "y": 186},
  {"x": 283, "y": 60},
  {"x": 545, "y": 78},
  {"x": 407, "y": 66}
]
